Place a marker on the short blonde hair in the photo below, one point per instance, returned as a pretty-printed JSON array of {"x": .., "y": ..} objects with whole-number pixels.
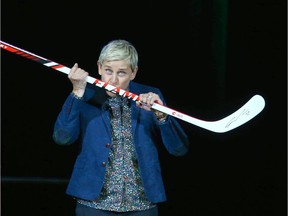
[{"x": 118, "y": 50}]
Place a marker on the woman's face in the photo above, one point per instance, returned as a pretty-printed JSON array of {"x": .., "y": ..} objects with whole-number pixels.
[{"x": 116, "y": 73}]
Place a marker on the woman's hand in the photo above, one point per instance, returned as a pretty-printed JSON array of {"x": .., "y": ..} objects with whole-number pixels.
[
  {"x": 146, "y": 102},
  {"x": 78, "y": 77}
]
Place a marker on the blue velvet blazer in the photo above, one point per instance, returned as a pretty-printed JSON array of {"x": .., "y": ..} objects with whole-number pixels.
[{"x": 89, "y": 124}]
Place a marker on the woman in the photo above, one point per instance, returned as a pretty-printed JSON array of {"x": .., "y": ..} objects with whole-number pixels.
[{"x": 117, "y": 170}]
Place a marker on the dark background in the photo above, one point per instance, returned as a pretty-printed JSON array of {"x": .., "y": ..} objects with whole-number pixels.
[{"x": 208, "y": 57}]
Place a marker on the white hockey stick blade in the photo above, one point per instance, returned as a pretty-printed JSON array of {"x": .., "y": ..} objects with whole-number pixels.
[{"x": 248, "y": 111}]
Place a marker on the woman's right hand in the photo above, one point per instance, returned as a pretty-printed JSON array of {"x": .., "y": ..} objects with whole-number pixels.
[{"x": 78, "y": 77}]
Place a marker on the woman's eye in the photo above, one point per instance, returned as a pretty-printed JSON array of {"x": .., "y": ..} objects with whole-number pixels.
[
  {"x": 122, "y": 73},
  {"x": 108, "y": 71}
]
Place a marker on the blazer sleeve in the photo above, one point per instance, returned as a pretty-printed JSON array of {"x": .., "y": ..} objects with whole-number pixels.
[
  {"x": 173, "y": 135},
  {"x": 67, "y": 125}
]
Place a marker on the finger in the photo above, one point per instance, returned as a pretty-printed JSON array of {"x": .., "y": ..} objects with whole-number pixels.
[
  {"x": 139, "y": 104},
  {"x": 143, "y": 98},
  {"x": 73, "y": 69},
  {"x": 152, "y": 97}
]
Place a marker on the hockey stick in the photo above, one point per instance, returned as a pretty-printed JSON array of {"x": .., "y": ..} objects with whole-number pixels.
[{"x": 248, "y": 111}]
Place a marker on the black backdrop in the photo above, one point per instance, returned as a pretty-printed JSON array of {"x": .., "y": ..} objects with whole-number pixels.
[{"x": 242, "y": 172}]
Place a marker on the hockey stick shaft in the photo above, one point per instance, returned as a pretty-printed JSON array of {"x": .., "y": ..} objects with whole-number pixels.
[{"x": 248, "y": 111}]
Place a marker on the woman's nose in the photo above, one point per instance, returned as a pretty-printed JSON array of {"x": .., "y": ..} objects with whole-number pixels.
[{"x": 114, "y": 79}]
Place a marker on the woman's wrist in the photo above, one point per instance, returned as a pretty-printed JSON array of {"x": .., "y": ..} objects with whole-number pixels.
[
  {"x": 76, "y": 96},
  {"x": 161, "y": 117},
  {"x": 78, "y": 93}
]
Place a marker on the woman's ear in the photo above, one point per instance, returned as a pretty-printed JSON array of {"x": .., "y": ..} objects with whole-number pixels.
[
  {"x": 99, "y": 68},
  {"x": 133, "y": 75}
]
